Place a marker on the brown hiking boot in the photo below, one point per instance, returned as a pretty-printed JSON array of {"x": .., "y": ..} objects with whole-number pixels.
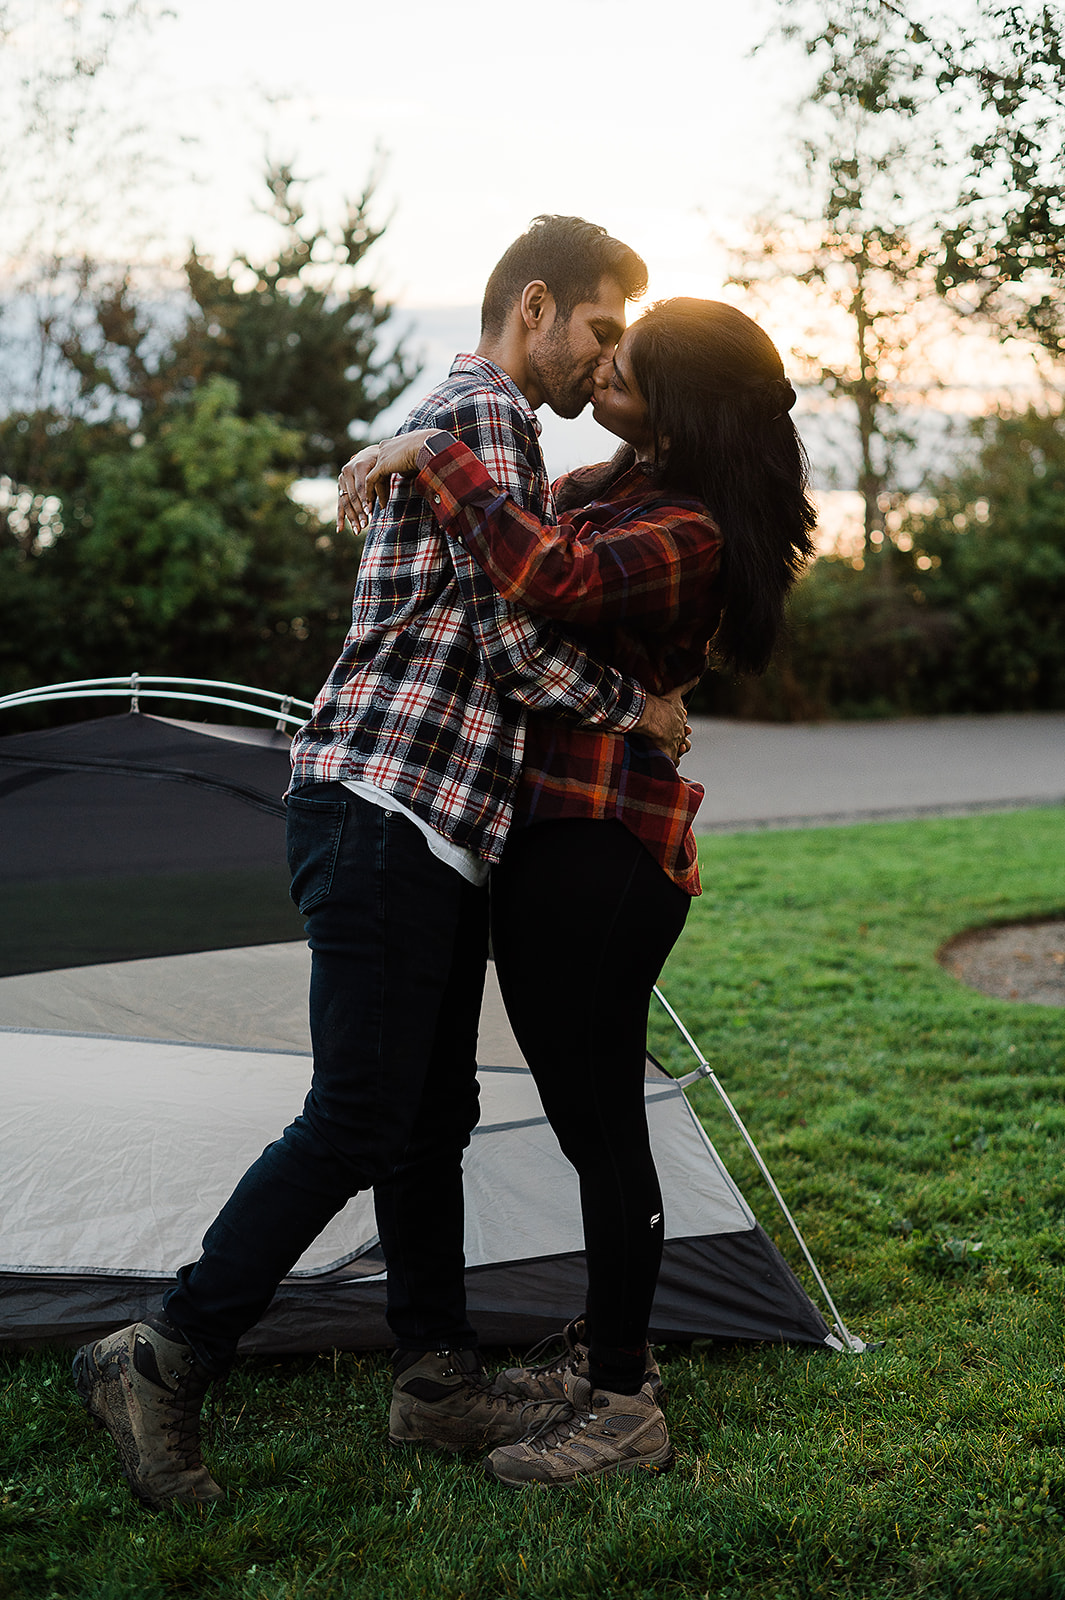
[
  {"x": 147, "y": 1389},
  {"x": 586, "y": 1436},
  {"x": 544, "y": 1382},
  {"x": 444, "y": 1400}
]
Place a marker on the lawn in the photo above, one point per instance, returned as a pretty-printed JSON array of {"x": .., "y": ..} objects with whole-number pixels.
[{"x": 917, "y": 1129}]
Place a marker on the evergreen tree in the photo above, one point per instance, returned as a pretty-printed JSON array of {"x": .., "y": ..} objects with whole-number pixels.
[
  {"x": 299, "y": 335},
  {"x": 145, "y": 520}
]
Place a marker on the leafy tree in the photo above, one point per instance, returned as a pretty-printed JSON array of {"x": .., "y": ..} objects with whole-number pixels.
[
  {"x": 60, "y": 104},
  {"x": 868, "y": 270},
  {"x": 1003, "y": 252},
  {"x": 988, "y": 80},
  {"x": 856, "y": 239},
  {"x": 859, "y": 644},
  {"x": 124, "y": 369}
]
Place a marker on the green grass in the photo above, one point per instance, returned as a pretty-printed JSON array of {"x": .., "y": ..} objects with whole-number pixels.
[{"x": 908, "y": 1121}]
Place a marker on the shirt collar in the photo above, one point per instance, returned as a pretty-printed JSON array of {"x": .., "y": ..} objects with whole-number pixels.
[{"x": 501, "y": 380}]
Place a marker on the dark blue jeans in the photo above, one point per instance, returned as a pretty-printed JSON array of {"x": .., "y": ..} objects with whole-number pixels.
[{"x": 399, "y": 946}]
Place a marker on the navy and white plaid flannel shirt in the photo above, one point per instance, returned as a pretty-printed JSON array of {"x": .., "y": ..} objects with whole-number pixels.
[{"x": 428, "y": 698}]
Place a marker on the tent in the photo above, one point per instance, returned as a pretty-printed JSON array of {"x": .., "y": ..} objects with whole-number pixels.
[{"x": 153, "y": 1038}]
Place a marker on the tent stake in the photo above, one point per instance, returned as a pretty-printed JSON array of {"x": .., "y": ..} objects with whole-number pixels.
[{"x": 705, "y": 1070}]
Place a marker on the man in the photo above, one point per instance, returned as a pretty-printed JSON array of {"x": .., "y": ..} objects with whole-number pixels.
[{"x": 402, "y": 790}]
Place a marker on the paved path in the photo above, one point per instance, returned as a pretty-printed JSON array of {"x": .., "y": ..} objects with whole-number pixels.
[{"x": 786, "y": 775}]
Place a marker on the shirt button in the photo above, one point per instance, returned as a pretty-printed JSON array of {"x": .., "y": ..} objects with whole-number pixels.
[{"x": 436, "y": 499}]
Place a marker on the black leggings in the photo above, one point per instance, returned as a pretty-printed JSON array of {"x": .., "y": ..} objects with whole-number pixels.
[{"x": 583, "y": 919}]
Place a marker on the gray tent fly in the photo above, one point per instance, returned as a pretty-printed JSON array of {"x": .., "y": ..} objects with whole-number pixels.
[{"x": 153, "y": 1038}]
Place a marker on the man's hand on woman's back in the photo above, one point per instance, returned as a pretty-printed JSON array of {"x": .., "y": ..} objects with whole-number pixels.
[{"x": 665, "y": 722}]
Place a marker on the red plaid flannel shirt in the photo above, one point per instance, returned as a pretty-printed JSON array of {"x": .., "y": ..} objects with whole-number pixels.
[
  {"x": 428, "y": 698},
  {"x": 637, "y": 574}
]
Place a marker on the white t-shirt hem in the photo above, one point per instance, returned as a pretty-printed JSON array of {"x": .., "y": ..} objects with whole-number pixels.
[{"x": 470, "y": 866}]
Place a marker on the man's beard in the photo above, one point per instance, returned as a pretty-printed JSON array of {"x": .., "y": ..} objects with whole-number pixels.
[{"x": 567, "y": 392}]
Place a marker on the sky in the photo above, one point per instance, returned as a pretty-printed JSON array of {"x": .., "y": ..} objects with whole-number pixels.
[{"x": 653, "y": 120}]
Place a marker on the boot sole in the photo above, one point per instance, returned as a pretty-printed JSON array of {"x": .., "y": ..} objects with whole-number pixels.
[{"x": 661, "y": 1462}]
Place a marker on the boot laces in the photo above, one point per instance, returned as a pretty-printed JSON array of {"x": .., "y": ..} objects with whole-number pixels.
[
  {"x": 565, "y": 1355},
  {"x": 563, "y": 1421},
  {"x": 479, "y": 1383},
  {"x": 186, "y": 1402}
]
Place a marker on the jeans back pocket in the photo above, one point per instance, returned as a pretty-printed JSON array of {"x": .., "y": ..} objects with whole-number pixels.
[{"x": 313, "y": 833}]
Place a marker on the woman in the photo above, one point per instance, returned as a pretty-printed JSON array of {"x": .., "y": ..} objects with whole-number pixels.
[{"x": 687, "y": 541}]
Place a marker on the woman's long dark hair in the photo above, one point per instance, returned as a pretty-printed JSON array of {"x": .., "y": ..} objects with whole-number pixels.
[{"x": 718, "y": 403}]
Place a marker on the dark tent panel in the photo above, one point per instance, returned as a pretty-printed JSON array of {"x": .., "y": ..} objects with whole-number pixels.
[
  {"x": 135, "y": 836},
  {"x": 734, "y": 1287}
]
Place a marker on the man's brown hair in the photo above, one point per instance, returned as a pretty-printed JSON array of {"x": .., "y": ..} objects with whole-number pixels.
[{"x": 568, "y": 254}]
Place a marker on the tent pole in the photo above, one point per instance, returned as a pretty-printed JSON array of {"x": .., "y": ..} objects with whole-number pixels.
[{"x": 705, "y": 1070}]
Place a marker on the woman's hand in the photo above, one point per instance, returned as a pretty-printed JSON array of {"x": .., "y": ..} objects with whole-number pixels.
[
  {"x": 394, "y": 455},
  {"x": 368, "y": 473},
  {"x": 353, "y": 503}
]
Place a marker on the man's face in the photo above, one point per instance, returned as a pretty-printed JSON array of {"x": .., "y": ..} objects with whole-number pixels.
[{"x": 564, "y": 356}]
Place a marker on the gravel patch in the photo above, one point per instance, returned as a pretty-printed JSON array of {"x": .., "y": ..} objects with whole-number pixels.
[{"x": 1023, "y": 962}]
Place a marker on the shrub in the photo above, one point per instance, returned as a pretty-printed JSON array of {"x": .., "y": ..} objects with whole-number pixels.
[
  {"x": 968, "y": 619},
  {"x": 995, "y": 541}
]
